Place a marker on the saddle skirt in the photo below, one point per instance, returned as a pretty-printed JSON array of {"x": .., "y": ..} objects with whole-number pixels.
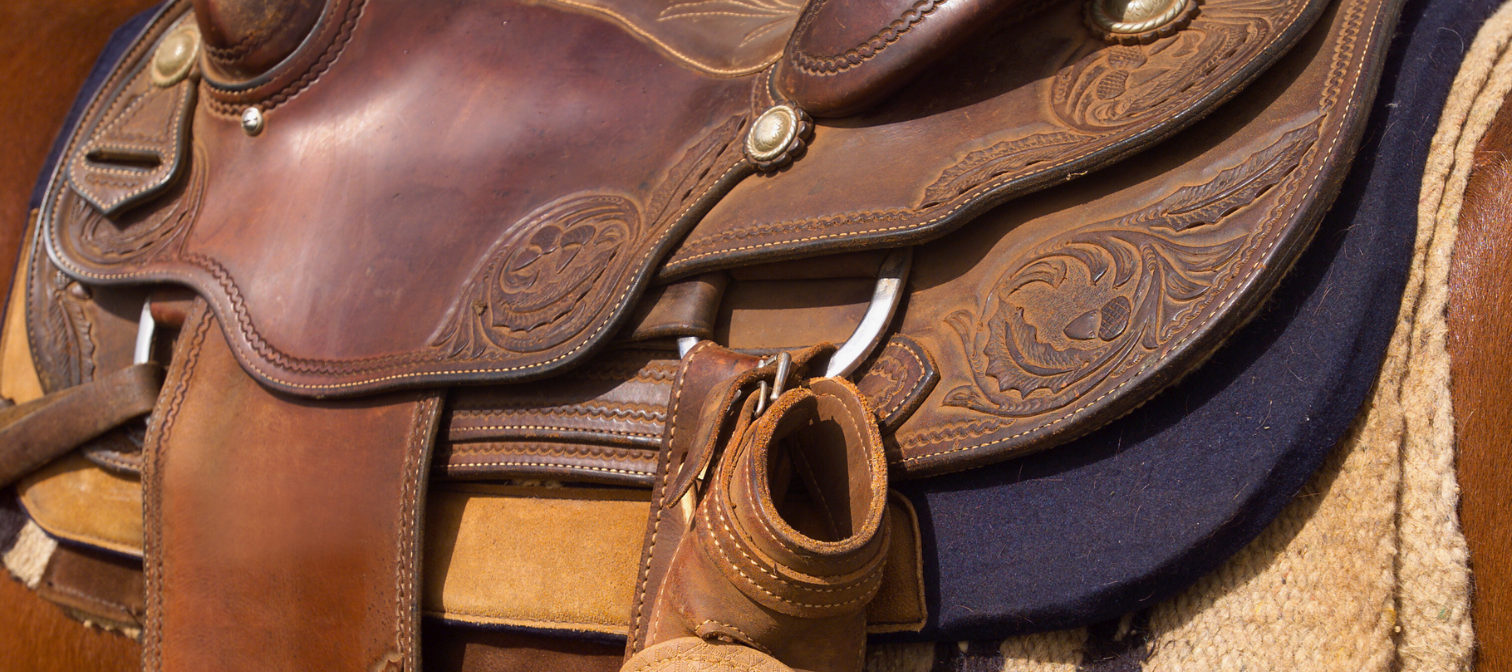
[{"x": 480, "y": 236}]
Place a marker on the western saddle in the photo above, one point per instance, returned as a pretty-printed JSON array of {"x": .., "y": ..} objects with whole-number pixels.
[{"x": 343, "y": 312}]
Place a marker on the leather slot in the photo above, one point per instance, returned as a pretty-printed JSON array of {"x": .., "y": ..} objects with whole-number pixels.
[{"x": 115, "y": 157}]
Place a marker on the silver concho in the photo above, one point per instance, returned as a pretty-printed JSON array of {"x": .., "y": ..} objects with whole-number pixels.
[
  {"x": 175, "y": 55},
  {"x": 777, "y": 137}
]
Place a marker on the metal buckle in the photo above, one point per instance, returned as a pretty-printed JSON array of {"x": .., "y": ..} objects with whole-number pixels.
[{"x": 770, "y": 392}]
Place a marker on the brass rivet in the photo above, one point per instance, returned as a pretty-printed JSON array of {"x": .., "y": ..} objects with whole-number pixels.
[
  {"x": 1141, "y": 20},
  {"x": 175, "y": 55},
  {"x": 773, "y": 131},
  {"x": 252, "y": 121}
]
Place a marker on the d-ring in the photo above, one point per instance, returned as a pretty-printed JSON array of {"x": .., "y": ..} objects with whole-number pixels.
[{"x": 886, "y": 294}]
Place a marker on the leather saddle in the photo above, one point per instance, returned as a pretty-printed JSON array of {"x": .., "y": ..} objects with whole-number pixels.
[{"x": 364, "y": 309}]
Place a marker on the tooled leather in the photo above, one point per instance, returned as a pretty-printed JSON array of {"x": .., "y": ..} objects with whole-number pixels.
[
  {"x": 1104, "y": 103},
  {"x": 146, "y": 120},
  {"x": 898, "y": 380},
  {"x": 487, "y": 333},
  {"x": 1226, "y": 232},
  {"x": 617, "y": 398},
  {"x": 725, "y": 38}
]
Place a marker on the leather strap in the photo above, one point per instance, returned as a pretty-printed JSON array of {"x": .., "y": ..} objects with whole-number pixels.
[
  {"x": 280, "y": 534},
  {"x": 41, "y": 430}
]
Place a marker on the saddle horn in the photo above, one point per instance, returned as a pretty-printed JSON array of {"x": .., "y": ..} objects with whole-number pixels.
[
  {"x": 845, "y": 55},
  {"x": 247, "y": 38}
]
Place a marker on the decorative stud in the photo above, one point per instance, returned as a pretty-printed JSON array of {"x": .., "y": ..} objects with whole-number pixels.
[
  {"x": 777, "y": 137},
  {"x": 252, "y": 121},
  {"x": 175, "y": 55},
  {"x": 1138, "y": 21}
]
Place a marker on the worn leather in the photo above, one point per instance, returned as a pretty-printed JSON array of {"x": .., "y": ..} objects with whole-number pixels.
[
  {"x": 289, "y": 539},
  {"x": 78, "y": 501},
  {"x": 41, "y": 430},
  {"x": 667, "y": 143},
  {"x": 245, "y": 39},
  {"x": 691, "y": 654},
  {"x": 784, "y": 544},
  {"x": 534, "y": 557},
  {"x": 96, "y": 586}
]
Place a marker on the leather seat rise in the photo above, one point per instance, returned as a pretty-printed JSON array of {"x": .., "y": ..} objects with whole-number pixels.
[{"x": 738, "y": 265}]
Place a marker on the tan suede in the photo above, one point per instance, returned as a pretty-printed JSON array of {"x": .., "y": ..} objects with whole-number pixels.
[
  {"x": 75, "y": 500},
  {"x": 536, "y": 557},
  {"x": 552, "y": 558},
  {"x": 18, "y": 374}
]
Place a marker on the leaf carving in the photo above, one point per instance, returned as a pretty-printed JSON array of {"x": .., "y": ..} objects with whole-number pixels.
[
  {"x": 1095, "y": 301},
  {"x": 1232, "y": 189}
]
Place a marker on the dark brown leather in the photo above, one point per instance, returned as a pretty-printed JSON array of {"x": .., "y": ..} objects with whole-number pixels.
[
  {"x": 289, "y": 538},
  {"x": 246, "y": 38},
  {"x": 845, "y": 55},
  {"x": 473, "y": 310},
  {"x": 680, "y": 309},
  {"x": 1025, "y": 106},
  {"x": 39, "y": 431}
]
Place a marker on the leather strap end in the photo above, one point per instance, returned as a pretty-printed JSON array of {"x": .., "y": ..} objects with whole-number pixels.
[{"x": 39, "y": 431}]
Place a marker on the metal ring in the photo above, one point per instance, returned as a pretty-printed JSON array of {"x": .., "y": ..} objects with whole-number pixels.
[{"x": 886, "y": 295}]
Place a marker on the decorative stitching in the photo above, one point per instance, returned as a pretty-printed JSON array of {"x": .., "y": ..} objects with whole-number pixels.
[
  {"x": 661, "y": 495},
  {"x": 165, "y": 416},
  {"x": 328, "y": 57},
  {"x": 830, "y": 66},
  {"x": 250, "y": 336},
  {"x": 974, "y": 196}
]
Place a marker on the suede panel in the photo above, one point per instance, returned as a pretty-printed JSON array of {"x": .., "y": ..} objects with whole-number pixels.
[{"x": 75, "y": 500}]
